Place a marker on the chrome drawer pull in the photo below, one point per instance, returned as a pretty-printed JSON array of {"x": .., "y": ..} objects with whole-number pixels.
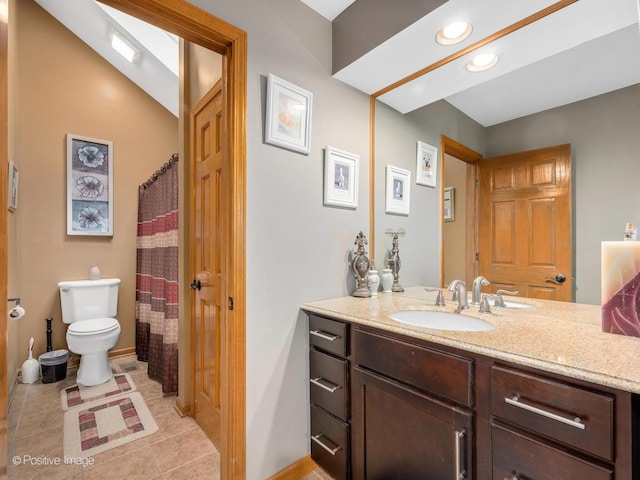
[
  {"x": 332, "y": 451},
  {"x": 515, "y": 401},
  {"x": 316, "y": 381},
  {"x": 460, "y": 472},
  {"x": 324, "y": 335}
]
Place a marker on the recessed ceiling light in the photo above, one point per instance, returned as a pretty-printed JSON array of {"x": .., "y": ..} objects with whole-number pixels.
[
  {"x": 453, "y": 33},
  {"x": 124, "y": 47},
  {"x": 482, "y": 62}
]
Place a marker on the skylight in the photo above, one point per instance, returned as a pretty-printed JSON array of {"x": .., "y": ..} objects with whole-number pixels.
[{"x": 161, "y": 44}]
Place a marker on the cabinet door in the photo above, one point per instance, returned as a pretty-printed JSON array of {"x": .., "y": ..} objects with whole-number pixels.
[{"x": 402, "y": 434}]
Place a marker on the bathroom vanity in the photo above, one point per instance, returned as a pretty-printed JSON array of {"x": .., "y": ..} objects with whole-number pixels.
[{"x": 545, "y": 394}]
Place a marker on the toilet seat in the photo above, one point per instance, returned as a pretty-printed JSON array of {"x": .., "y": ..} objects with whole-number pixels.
[{"x": 93, "y": 326}]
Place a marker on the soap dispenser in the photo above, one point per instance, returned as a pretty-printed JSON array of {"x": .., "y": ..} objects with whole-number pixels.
[
  {"x": 374, "y": 280},
  {"x": 387, "y": 277}
]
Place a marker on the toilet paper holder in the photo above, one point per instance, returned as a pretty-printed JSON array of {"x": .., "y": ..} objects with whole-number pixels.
[{"x": 17, "y": 312}]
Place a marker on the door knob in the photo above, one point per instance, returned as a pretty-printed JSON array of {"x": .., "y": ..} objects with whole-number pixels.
[
  {"x": 195, "y": 285},
  {"x": 558, "y": 279}
]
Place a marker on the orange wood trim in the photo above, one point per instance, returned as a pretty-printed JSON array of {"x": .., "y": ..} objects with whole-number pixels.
[
  {"x": 122, "y": 352},
  {"x": 441, "y": 239},
  {"x": 296, "y": 470},
  {"x": 199, "y": 26},
  {"x": 185, "y": 20},
  {"x": 234, "y": 466},
  {"x": 4, "y": 264},
  {"x": 456, "y": 149},
  {"x": 471, "y": 240},
  {"x": 479, "y": 44},
  {"x": 181, "y": 408},
  {"x": 372, "y": 176}
]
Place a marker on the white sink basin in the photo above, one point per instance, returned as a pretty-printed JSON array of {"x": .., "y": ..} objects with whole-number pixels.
[
  {"x": 441, "y": 321},
  {"x": 514, "y": 304}
]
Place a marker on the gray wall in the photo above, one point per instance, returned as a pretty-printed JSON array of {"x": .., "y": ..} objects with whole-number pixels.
[
  {"x": 396, "y": 144},
  {"x": 297, "y": 249},
  {"x": 604, "y": 133}
]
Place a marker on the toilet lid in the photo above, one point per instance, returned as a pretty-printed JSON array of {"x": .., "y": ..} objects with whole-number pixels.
[{"x": 95, "y": 325}]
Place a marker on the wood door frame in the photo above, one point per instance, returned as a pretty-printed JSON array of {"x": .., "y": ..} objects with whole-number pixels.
[
  {"x": 198, "y": 26},
  {"x": 449, "y": 146},
  {"x": 4, "y": 261}
]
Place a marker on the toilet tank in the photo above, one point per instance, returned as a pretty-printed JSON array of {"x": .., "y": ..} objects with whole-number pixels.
[{"x": 87, "y": 299}]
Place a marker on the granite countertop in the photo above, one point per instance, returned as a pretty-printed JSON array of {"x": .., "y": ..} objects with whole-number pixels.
[{"x": 558, "y": 337}]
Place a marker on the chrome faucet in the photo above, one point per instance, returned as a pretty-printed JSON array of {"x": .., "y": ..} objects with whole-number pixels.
[
  {"x": 460, "y": 288},
  {"x": 475, "y": 292}
]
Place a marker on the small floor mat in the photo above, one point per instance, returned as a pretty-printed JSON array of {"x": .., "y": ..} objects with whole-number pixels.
[
  {"x": 98, "y": 426},
  {"x": 128, "y": 366},
  {"x": 79, "y": 394}
]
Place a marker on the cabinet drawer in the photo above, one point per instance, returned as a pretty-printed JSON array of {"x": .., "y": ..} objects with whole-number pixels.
[
  {"x": 330, "y": 335},
  {"x": 516, "y": 456},
  {"x": 432, "y": 371},
  {"x": 330, "y": 443},
  {"x": 329, "y": 383},
  {"x": 569, "y": 414}
]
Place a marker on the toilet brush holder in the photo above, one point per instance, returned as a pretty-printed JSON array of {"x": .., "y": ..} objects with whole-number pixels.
[{"x": 31, "y": 367}]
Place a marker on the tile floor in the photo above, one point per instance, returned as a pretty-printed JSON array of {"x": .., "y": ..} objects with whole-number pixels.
[{"x": 178, "y": 450}]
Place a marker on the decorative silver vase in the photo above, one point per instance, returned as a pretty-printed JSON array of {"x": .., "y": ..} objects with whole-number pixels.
[
  {"x": 360, "y": 266},
  {"x": 394, "y": 259}
]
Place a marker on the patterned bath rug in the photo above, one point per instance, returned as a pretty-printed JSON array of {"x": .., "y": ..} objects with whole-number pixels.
[
  {"x": 98, "y": 426},
  {"x": 79, "y": 394}
]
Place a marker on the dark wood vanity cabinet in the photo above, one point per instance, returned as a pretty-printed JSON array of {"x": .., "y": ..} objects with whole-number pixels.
[
  {"x": 329, "y": 392},
  {"x": 387, "y": 406},
  {"x": 545, "y": 426}
]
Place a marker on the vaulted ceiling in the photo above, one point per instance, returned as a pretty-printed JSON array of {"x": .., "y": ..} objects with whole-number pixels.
[{"x": 587, "y": 48}]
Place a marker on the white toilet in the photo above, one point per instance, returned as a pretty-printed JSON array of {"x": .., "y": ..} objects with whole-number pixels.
[{"x": 89, "y": 307}]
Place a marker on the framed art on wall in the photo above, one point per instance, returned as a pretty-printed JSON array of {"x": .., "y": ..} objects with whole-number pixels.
[
  {"x": 288, "y": 115},
  {"x": 340, "y": 178},
  {"x": 13, "y": 186},
  {"x": 398, "y": 190},
  {"x": 426, "y": 164},
  {"x": 89, "y": 186},
  {"x": 449, "y": 205}
]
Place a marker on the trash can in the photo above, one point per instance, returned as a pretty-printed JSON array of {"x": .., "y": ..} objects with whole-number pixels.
[{"x": 54, "y": 365}]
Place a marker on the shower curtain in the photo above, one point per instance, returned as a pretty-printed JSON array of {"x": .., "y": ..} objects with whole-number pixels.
[{"x": 157, "y": 276}]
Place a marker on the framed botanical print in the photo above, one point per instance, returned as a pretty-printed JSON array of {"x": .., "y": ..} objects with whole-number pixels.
[{"x": 89, "y": 186}]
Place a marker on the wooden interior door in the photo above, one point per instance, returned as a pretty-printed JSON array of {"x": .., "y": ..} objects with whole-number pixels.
[
  {"x": 208, "y": 247},
  {"x": 524, "y": 223}
]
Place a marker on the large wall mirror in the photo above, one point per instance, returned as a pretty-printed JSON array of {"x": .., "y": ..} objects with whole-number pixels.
[{"x": 593, "y": 104}]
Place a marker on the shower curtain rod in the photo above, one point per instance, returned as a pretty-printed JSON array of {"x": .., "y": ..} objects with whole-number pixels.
[{"x": 159, "y": 172}]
